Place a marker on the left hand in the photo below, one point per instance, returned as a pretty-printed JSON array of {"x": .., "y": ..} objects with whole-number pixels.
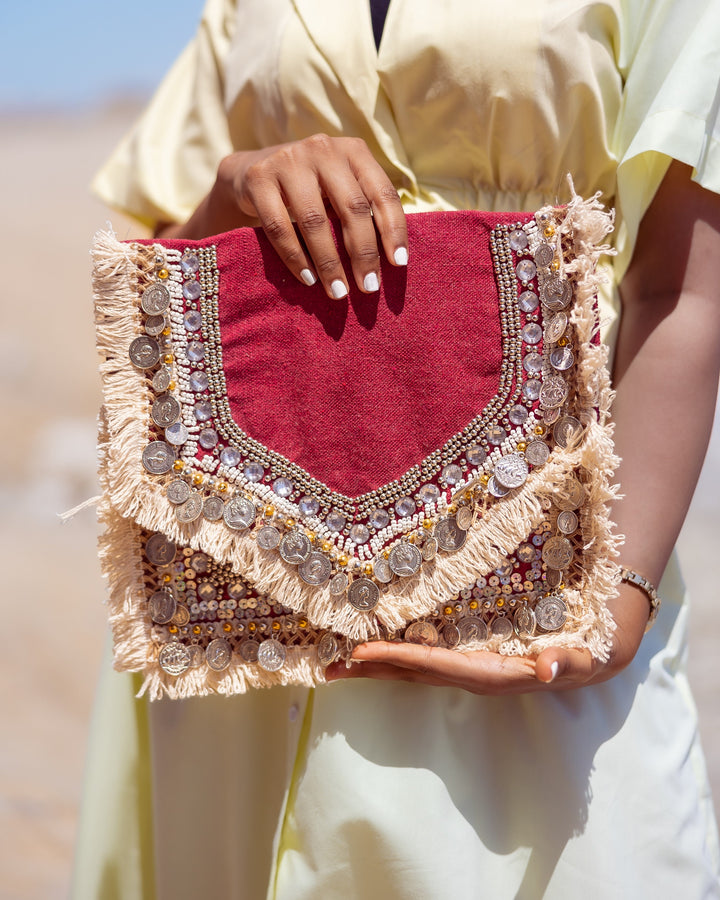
[{"x": 481, "y": 672}]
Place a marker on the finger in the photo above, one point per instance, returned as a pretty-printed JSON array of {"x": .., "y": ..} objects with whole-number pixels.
[
  {"x": 389, "y": 216},
  {"x": 478, "y": 671},
  {"x": 565, "y": 668},
  {"x": 381, "y": 671},
  {"x": 262, "y": 189}
]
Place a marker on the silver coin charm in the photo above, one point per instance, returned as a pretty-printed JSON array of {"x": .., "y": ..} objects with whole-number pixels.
[
  {"x": 177, "y": 490},
  {"x": 495, "y": 489},
  {"x": 197, "y": 655},
  {"x": 316, "y": 569},
  {"x": 571, "y": 495},
  {"x": 174, "y": 658},
  {"x": 544, "y": 255},
  {"x": 271, "y": 655},
  {"x": 338, "y": 584},
  {"x": 525, "y": 621},
  {"x": 159, "y": 550},
  {"x": 249, "y": 650},
  {"x": 405, "y": 559},
  {"x": 536, "y": 453},
  {"x": 161, "y": 607},
  {"x": 429, "y": 549},
  {"x": 182, "y": 616},
  {"x": 553, "y": 392},
  {"x": 191, "y": 509},
  {"x": 556, "y": 294},
  {"x": 451, "y": 635},
  {"x": 328, "y": 649},
  {"x": 381, "y": 570},
  {"x": 553, "y": 577},
  {"x": 239, "y": 513},
  {"x": 144, "y": 352},
  {"x": 295, "y": 547},
  {"x": 562, "y": 359},
  {"x": 155, "y": 299},
  {"x": 213, "y": 509},
  {"x": 464, "y": 517},
  {"x": 268, "y": 537},
  {"x": 557, "y": 552},
  {"x": 422, "y": 633},
  {"x": 161, "y": 381},
  {"x": 165, "y": 411},
  {"x": 472, "y": 629},
  {"x": 567, "y": 430},
  {"x": 567, "y": 522},
  {"x": 511, "y": 471},
  {"x": 555, "y": 327},
  {"x": 551, "y": 613},
  {"x": 363, "y": 594},
  {"x": 155, "y": 325},
  {"x": 218, "y": 654},
  {"x": 502, "y": 628},
  {"x": 449, "y": 537},
  {"x": 158, "y": 457}
]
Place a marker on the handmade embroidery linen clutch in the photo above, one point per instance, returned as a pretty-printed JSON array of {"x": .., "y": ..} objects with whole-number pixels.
[{"x": 285, "y": 476}]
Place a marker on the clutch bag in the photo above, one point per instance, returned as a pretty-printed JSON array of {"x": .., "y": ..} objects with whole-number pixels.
[{"x": 285, "y": 476}]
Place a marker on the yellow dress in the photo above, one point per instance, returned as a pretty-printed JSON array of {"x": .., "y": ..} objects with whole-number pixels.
[{"x": 390, "y": 790}]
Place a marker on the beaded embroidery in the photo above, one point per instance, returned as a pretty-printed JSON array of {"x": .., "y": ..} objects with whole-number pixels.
[{"x": 254, "y": 572}]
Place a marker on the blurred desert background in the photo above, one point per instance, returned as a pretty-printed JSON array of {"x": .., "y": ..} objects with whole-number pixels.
[{"x": 53, "y": 596}]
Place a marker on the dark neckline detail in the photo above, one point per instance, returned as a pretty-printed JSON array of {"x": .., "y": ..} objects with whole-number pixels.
[{"x": 378, "y": 13}]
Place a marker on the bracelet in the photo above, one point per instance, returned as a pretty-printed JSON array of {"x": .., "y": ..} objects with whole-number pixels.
[{"x": 640, "y": 582}]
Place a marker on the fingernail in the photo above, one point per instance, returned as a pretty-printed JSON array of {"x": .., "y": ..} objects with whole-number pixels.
[
  {"x": 554, "y": 670},
  {"x": 371, "y": 283},
  {"x": 401, "y": 256},
  {"x": 338, "y": 289},
  {"x": 308, "y": 277}
]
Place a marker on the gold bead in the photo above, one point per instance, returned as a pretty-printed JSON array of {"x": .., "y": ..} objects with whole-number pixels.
[
  {"x": 252, "y": 626},
  {"x": 222, "y": 486},
  {"x": 327, "y": 546},
  {"x": 289, "y": 523},
  {"x": 500, "y": 602},
  {"x": 167, "y": 331},
  {"x": 196, "y": 629},
  {"x": 473, "y": 604},
  {"x": 343, "y": 559},
  {"x": 539, "y": 429},
  {"x": 168, "y": 358},
  {"x": 178, "y": 465},
  {"x": 548, "y": 231},
  {"x": 562, "y": 342},
  {"x": 448, "y": 611},
  {"x": 311, "y": 536},
  {"x": 368, "y": 568},
  {"x": 163, "y": 273},
  {"x": 522, "y": 446},
  {"x": 173, "y": 629},
  {"x": 166, "y": 578},
  {"x": 427, "y": 524},
  {"x": 484, "y": 478},
  {"x": 227, "y": 627},
  {"x": 412, "y": 538},
  {"x": 198, "y": 478},
  {"x": 302, "y": 623},
  {"x": 171, "y": 386},
  {"x": 555, "y": 265},
  {"x": 269, "y": 510},
  {"x": 276, "y": 625}
]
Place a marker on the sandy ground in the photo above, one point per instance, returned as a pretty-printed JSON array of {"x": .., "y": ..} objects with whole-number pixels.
[{"x": 52, "y": 610}]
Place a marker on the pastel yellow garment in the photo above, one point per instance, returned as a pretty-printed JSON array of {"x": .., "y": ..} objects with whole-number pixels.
[{"x": 393, "y": 790}]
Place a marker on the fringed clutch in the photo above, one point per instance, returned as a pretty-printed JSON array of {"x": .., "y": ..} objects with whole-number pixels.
[{"x": 285, "y": 476}]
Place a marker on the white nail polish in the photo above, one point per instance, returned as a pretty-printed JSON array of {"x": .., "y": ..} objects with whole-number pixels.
[
  {"x": 401, "y": 256},
  {"x": 371, "y": 283},
  {"x": 338, "y": 289},
  {"x": 308, "y": 277},
  {"x": 554, "y": 670}
]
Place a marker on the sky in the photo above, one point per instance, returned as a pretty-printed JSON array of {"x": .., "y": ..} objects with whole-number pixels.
[{"x": 75, "y": 54}]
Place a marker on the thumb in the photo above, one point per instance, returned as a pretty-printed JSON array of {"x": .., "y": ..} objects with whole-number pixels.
[
  {"x": 549, "y": 665},
  {"x": 556, "y": 662}
]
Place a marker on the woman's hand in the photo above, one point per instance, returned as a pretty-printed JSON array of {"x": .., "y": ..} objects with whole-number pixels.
[
  {"x": 481, "y": 672},
  {"x": 276, "y": 185}
]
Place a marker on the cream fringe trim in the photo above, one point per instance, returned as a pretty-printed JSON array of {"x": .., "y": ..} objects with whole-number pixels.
[{"x": 131, "y": 494}]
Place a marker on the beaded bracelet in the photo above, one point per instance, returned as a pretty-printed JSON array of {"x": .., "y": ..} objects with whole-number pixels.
[{"x": 647, "y": 587}]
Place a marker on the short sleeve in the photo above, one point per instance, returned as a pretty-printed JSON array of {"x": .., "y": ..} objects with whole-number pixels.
[
  {"x": 167, "y": 163},
  {"x": 670, "y": 61}
]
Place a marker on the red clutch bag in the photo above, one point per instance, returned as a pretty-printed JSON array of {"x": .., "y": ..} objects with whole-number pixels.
[{"x": 285, "y": 476}]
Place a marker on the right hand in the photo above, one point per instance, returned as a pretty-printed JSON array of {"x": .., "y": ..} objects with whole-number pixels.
[{"x": 276, "y": 185}]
